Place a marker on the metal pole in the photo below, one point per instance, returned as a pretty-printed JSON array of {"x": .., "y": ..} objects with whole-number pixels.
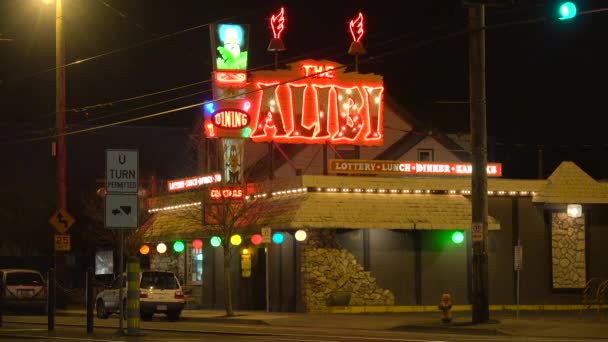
[
  {"x": 133, "y": 270},
  {"x": 479, "y": 193},
  {"x": 325, "y": 159},
  {"x": 89, "y": 297},
  {"x": 120, "y": 289},
  {"x": 60, "y": 105},
  {"x": 517, "y": 296},
  {"x": 51, "y": 299},
  {"x": 267, "y": 251}
]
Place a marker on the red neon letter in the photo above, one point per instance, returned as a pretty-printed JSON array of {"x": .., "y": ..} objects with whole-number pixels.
[
  {"x": 374, "y": 107},
  {"x": 323, "y": 110},
  {"x": 297, "y": 105},
  {"x": 269, "y": 113},
  {"x": 350, "y": 121}
]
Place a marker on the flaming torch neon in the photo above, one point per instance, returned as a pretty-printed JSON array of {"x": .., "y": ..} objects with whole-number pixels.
[
  {"x": 356, "y": 31},
  {"x": 277, "y": 24}
]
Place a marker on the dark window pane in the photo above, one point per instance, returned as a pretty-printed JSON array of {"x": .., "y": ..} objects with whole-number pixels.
[
  {"x": 158, "y": 280},
  {"x": 23, "y": 278}
]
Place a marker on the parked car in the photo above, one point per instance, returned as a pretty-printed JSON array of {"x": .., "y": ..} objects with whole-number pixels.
[
  {"x": 22, "y": 289},
  {"x": 159, "y": 292}
]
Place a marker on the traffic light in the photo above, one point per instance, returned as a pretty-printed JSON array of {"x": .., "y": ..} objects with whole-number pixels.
[{"x": 566, "y": 10}]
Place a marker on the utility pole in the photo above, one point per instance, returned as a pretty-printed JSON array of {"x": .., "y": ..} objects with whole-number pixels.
[
  {"x": 60, "y": 106},
  {"x": 479, "y": 181}
]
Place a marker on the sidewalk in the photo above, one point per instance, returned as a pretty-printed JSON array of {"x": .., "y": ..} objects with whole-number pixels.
[{"x": 565, "y": 324}]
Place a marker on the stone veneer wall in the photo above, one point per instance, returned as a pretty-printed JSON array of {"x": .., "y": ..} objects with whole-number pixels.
[
  {"x": 568, "y": 251},
  {"x": 328, "y": 270},
  {"x": 173, "y": 262}
]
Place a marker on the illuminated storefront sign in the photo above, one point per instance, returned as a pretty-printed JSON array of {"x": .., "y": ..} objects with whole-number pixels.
[
  {"x": 230, "y": 78},
  {"x": 230, "y": 118},
  {"x": 229, "y": 43},
  {"x": 193, "y": 182},
  {"x": 227, "y": 193},
  {"x": 393, "y": 167},
  {"x": 316, "y": 102}
]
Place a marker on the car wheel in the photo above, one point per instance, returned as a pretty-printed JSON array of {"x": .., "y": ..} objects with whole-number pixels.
[
  {"x": 102, "y": 313},
  {"x": 173, "y": 316},
  {"x": 146, "y": 316}
]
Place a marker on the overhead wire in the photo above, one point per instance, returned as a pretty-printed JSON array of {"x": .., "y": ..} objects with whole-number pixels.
[
  {"x": 368, "y": 59},
  {"x": 286, "y": 60},
  {"x": 129, "y": 47},
  {"x": 193, "y": 105}
]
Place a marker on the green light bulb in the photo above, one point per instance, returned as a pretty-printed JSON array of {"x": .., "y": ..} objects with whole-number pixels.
[
  {"x": 178, "y": 246},
  {"x": 457, "y": 237}
]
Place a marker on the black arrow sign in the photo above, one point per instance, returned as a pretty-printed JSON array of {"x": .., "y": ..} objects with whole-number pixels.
[{"x": 62, "y": 220}]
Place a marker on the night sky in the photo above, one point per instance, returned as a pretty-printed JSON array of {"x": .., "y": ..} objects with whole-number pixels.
[{"x": 546, "y": 81}]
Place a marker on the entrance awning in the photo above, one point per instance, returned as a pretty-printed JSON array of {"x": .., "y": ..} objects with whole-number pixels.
[{"x": 368, "y": 211}]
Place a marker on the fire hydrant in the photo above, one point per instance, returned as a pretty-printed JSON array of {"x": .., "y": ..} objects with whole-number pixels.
[{"x": 445, "y": 305}]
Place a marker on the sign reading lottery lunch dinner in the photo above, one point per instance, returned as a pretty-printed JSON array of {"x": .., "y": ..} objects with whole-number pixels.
[
  {"x": 395, "y": 167},
  {"x": 193, "y": 182},
  {"x": 309, "y": 102}
]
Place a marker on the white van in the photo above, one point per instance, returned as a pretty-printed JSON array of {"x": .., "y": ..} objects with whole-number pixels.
[
  {"x": 159, "y": 292},
  {"x": 22, "y": 289}
]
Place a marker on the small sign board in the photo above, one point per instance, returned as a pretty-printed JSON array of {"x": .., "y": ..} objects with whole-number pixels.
[
  {"x": 477, "y": 231},
  {"x": 122, "y": 171},
  {"x": 121, "y": 211},
  {"x": 518, "y": 258},
  {"x": 266, "y": 235},
  {"x": 62, "y": 221},
  {"x": 62, "y": 242}
]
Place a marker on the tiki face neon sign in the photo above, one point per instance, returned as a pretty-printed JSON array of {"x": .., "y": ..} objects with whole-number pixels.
[{"x": 330, "y": 105}]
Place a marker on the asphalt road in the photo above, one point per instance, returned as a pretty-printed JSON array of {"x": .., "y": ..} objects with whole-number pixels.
[{"x": 239, "y": 333}]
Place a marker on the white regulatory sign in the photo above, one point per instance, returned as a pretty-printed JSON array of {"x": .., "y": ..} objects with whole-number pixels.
[
  {"x": 477, "y": 231},
  {"x": 518, "y": 258},
  {"x": 122, "y": 171},
  {"x": 266, "y": 235},
  {"x": 121, "y": 211}
]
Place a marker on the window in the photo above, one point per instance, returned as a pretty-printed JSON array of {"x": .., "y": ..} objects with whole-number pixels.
[
  {"x": 425, "y": 155},
  {"x": 159, "y": 280},
  {"x": 195, "y": 266},
  {"x": 23, "y": 278}
]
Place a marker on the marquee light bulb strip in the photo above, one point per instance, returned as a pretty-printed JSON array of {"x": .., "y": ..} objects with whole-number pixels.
[{"x": 356, "y": 191}]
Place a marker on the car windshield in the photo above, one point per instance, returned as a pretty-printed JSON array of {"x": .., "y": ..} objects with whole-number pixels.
[
  {"x": 23, "y": 278},
  {"x": 158, "y": 280}
]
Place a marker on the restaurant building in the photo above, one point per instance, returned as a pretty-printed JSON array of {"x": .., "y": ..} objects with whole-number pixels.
[{"x": 373, "y": 209}]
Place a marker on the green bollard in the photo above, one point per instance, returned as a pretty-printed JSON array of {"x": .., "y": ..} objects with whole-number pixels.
[{"x": 133, "y": 271}]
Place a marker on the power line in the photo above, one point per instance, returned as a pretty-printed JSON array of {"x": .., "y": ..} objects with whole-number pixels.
[
  {"x": 124, "y": 16},
  {"x": 368, "y": 59},
  {"x": 293, "y": 58},
  {"x": 126, "y": 48}
]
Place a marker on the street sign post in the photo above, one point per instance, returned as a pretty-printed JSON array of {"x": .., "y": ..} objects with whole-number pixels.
[
  {"x": 62, "y": 242},
  {"x": 518, "y": 265},
  {"x": 266, "y": 235},
  {"x": 121, "y": 202},
  {"x": 122, "y": 168},
  {"x": 477, "y": 231},
  {"x": 266, "y": 238},
  {"x": 62, "y": 221},
  {"x": 121, "y": 211}
]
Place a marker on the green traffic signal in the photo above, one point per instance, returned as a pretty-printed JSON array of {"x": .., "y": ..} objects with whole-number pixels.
[{"x": 567, "y": 10}]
